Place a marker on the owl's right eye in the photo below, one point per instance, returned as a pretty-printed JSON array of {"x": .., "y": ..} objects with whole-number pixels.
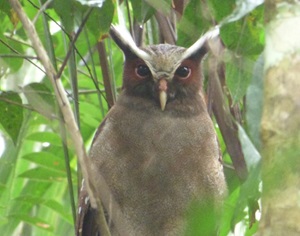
[
  {"x": 142, "y": 71},
  {"x": 183, "y": 72}
]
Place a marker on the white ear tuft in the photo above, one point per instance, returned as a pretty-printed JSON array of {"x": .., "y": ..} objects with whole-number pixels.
[
  {"x": 201, "y": 42},
  {"x": 123, "y": 38}
]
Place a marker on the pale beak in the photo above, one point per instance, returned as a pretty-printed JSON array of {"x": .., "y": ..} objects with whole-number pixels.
[{"x": 162, "y": 86}]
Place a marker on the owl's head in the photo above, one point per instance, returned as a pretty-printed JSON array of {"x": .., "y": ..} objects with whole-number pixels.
[{"x": 161, "y": 72}]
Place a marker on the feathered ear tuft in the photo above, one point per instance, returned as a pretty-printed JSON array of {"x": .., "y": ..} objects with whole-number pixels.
[
  {"x": 125, "y": 42},
  {"x": 200, "y": 47}
]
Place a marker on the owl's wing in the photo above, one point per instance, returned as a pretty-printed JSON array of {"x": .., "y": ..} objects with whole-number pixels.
[
  {"x": 86, "y": 221},
  {"x": 87, "y": 217}
]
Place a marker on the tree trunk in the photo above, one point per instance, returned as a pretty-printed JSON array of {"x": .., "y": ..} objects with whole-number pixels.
[{"x": 280, "y": 127}]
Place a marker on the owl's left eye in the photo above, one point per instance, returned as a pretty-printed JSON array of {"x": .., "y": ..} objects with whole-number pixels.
[
  {"x": 142, "y": 71},
  {"x": 183, "y": 72}
]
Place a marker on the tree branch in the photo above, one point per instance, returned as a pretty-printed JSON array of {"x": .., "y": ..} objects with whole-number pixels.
[
  {"x": 94, "y": 182},
  {"x": 62, "y": 100}
]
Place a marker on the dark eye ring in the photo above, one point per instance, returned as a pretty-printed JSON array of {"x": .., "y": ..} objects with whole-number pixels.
[
  {"x": 183, "y": 72},
  {"x": 142, "y": 71}
]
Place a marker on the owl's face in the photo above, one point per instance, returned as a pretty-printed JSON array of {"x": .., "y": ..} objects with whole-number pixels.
[
  {"x": 162, "y": 73},
  {"x": 162, "y": 77}
]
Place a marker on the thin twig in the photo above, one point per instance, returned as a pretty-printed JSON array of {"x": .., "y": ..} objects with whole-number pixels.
[
  {"x": 41, "y": 10},
  {"x": 105, "y": 72},
  {"x": 73, "y": 42},
  {"x": 166, "y": 28},
  {"x": 26, "y": 58}
]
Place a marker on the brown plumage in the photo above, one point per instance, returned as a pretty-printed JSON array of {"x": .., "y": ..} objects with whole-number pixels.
[{"x": 157, "y": 149}]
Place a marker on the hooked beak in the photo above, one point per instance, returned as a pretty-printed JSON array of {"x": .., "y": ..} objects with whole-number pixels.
[{"x": 162, "y": 86}]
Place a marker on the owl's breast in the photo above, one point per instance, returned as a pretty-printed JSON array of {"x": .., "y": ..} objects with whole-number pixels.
[{"x": 156, "y": 161}]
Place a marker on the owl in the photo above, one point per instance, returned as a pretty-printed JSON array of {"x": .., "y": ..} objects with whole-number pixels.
[{"x": 157, "y": 149}]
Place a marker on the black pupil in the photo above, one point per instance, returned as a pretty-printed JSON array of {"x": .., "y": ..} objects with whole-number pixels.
[
  {"x": 143, "y": 70},
  {"x": 183, "y": 71}
]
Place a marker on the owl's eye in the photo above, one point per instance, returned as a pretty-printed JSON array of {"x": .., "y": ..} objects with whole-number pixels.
[
  {"x": 142, "y": 71},
  {"x": 183, "y": 72}
]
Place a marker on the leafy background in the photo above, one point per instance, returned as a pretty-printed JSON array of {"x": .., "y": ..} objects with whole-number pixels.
[{"x": 39, "y": 175}]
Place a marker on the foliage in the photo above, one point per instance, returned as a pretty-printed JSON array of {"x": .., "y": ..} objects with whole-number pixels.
[{"x": 38, "y": 168}]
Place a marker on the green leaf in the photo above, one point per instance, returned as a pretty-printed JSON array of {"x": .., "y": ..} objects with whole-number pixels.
[
  {"x": 100, "y": 19},
  {"x": 238, "y": 77},
  {"x": 142, "y": 11},
  {"x": 11, "y": 114},
  {"x": 228, "y": 211},
  {"x": 254, "y": 100},
  {"x": 90, "y": 121},
  {"x": 35, "y": 221},
  {"x": 246, "y": 36},
  {"x": 252, "y": 156},
  {"x": 89, "y": 118},
  {"x": 45, "y": 137},
  {"x": 194, "y": 23},
  {"x": 60, "y": 209},
  {"x": 7, "y": 165},
  {"x": 242, "y": 8},
  {"x": 3, "y": 220},
  {"x": 221, "y": 9},
  {"x": 86, "y": 108},
  {"x": 201, "y": 220},
  {"x": 52, "y": 204},
  {"x": 43, "y": 174},
  {"x": 66, "y": 10},
  {"x": 4, "y": 6},
  {"x": 41, "y": 99},
  {"x": 10, "y": 47},
  {"x": 47, "y": 159},
  {"x": 249, "y": 193},
  {"x": 2, "y": 187},
  {"x": 35, "y": 188}
]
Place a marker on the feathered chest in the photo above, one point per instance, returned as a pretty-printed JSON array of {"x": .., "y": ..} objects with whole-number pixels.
[
  {"x": 147, "y": 134},
  {"x": 156, "y": 162}
]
